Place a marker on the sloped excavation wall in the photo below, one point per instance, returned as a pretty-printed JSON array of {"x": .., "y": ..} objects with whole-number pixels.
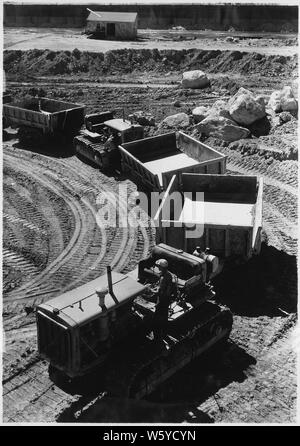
[{"x": 46, "y": 62}]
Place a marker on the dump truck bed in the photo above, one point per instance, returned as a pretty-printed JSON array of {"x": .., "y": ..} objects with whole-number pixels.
[
  {"x": 220, "y": 212},
  {"x": 169, "y": 164},
  {"x": 152, "y": 162},
  {"x": 49, "y": 115}
]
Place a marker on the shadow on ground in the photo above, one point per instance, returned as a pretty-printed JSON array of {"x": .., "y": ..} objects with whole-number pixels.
[
  {"x": 58, "y": 150},
  {"x": 206, "y": 375},
  {"x": 266, "y": 285},
  {"x": 123, "y": 410},
  {"x": 176, "y": 400}
]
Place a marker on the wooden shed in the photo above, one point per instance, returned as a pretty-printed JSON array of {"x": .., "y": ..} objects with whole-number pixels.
[{"x": 112, "y": 25}]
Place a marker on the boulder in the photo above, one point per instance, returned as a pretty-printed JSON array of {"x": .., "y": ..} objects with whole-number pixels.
[
  {"x": 275, "y": 101},
  {"x": 285, "y": 117},
  {"x": 294, "y": 86},
  {"x": 281, "y": 118},
  {"x": 194, "y": 79},
  {"x": 261, "y": 100},
  {"x": 199, "y": 113},
  {"x": 176, "y": 103},
  {"x": 219, "y": 108},
  {"x": 222, "y": 128},
  {"x": 283, "y": 100},
  {"x": 142, "y": 118},
  {"x": 180, "y": 120},
  {"x": 288, "y": 101},
  {"x": 244, "y": 108}
]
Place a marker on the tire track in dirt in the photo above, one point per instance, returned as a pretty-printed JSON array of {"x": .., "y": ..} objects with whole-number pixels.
[
  {"x": 79, "y": 218},
  {"x": 267, "y": 393},
  {"x": 237, "y": 167},
  {"x": 32, "y": 386}
]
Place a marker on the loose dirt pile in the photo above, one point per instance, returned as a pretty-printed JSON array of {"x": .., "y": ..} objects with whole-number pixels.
[
  {"x": 281, "y": 144},
  {"x": 46, "y": 62}
]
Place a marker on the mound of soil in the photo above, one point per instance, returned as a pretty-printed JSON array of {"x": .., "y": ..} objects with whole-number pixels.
[
  {"x": 46, "y": 62},
  {"x": 262, "y": 147}
]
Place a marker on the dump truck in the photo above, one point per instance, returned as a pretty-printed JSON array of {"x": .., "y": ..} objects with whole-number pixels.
[
  {"x": 41, "y": 120},
  {"x": 106, "y": 326},
  {"x": 222, "y": 214},
  {"x": 152, "y": 162},
  {"x": 100, "y": 141}
]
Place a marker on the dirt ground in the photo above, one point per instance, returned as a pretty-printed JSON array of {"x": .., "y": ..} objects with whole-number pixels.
[
  {"x": 68, "y": 39},
  {"x": 50, "y": 234}
]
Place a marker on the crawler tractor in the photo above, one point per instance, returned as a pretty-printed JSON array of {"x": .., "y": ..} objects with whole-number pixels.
[
  {"x": 99, "y": 141},
  {"x": 107, "y": 324}
]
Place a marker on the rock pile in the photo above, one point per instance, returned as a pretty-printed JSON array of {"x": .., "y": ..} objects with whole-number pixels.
[
  {"x": 142, "y": 118},
  {"x": 283, "y": 100},
  {"x": 245, "y": 114},
  {"x": 230, "y": 121}
]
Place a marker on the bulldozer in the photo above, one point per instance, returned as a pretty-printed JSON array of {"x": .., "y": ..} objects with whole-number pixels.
[
  {"x": 99, "y": 141},
  {"x": 107, "y": 325}
]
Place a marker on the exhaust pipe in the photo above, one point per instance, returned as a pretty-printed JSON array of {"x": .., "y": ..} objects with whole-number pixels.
[
  {"x": 109, "y": 280},
  {"x": 110, "y": 284}
]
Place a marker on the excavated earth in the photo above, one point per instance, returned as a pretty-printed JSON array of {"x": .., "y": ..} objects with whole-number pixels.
[{"x": 52, "y": 242}]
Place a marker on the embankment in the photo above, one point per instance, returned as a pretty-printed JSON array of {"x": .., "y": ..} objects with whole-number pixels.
[{"x": 46, "y": 62}]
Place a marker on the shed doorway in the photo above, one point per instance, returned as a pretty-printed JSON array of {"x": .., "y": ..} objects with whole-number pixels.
[
  {"x": 100, "y": 30},
  {"x": 111, "y": 29}
]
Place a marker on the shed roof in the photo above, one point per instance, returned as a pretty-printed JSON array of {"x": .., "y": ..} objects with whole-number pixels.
[{"x": 99, "y": 16}]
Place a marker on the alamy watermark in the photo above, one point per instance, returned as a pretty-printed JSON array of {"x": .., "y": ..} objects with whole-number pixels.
[{"x": 157, "y": 209}]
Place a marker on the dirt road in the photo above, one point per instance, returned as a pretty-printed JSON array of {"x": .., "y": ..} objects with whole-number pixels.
[{"x": 69, "y": 39}]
